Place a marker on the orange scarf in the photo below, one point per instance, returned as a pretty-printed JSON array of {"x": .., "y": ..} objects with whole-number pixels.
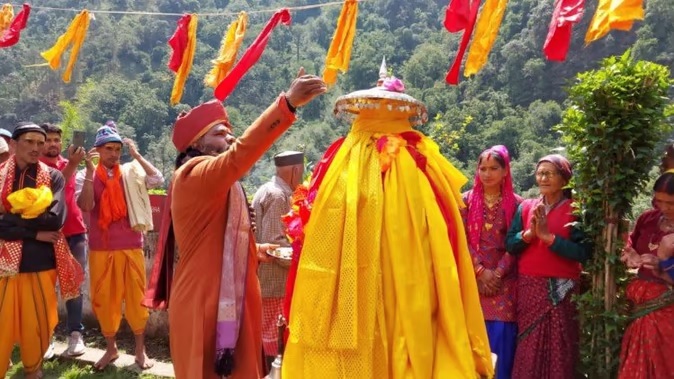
[{"x": 112, "y": 204}]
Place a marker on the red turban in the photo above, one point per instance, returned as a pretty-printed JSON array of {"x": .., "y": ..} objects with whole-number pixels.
[{"x": 192, "y": 125}]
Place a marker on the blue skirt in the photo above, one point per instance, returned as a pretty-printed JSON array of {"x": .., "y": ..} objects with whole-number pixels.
[{"x": 502, "y": 340}]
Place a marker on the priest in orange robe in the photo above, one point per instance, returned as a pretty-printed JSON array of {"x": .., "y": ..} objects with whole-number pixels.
[{"x": 215, "y": 313}]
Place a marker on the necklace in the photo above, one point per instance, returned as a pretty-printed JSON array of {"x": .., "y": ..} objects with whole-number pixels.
[
  {"x": 653, "y": 246},
  {"x": 491, "y": 200},
  {"x": 666, "y": 225}
]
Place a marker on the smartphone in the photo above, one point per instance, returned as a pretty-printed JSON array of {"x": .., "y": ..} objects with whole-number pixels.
[{"x": 78, "y": 138}]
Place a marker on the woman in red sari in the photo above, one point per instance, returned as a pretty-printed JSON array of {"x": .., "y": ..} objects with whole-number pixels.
[
  {"x": 550, "y": 252},
  {"x": 649, "y": 339}
]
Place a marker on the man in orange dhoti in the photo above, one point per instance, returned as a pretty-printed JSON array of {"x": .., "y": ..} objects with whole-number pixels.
[
  {"x": 215, "y": 308},
  {"x": 33, "y": 251},
  {"x": 116, "y": 260}
]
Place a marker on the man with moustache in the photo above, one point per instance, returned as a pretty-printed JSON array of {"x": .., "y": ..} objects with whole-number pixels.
[
  {"x": 116, "y": 260},
  {"x": 33, "y": 253},
  {"x": 74, "y": 228},
  {"x": 215, "y": 314}
]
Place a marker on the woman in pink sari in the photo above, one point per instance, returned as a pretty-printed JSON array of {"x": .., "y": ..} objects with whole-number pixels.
[{"x": 491, "y": 205}]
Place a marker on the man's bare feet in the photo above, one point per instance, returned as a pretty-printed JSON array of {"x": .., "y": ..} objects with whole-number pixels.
[
  {"x": 110, "y": 356},
  {"x": 142, "y": 361}
]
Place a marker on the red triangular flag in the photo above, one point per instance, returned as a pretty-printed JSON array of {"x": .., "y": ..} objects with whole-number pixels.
[
  {"x": 251, "y": 55},
  {"x": 10, "y": 37},
  {"x": 453, "y": 73},
  {"x": 567, "y": 13},
  {"x": 457, "y": 15},
  {"x": 178, "y": 42}
]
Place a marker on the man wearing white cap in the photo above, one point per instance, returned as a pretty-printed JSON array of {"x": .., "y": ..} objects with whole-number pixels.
[
  {"x": 4, "y": 150},
  {"x": 6, "y": 136},
  {"x": 271, "y": 202}
]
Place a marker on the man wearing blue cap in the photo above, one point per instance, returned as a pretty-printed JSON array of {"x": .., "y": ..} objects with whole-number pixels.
[{"x": 116, "y": 260}]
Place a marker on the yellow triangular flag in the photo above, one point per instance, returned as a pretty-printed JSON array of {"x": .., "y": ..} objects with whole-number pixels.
[
  {"x": 6, "y": 16},
  {"x": 228, "y": 51},
  {"x": 339, "y": 53},
  {"x": 75, "y": 34},
  {"x": 614, "y": 14},
  {"x": 488, "y": 26}
]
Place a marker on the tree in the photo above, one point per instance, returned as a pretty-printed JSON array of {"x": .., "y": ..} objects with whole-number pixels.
[{"x": 614, "y": 121}]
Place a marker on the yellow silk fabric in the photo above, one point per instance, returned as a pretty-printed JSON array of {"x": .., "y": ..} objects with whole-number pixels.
[
  {"x": 6, "y": 16},
  {"x": 186, "y": 65},
  {"x": 30, "y": 202},
  {"x": 379, "y": 293},
  {"x": 228, "y": 50},
  {"x": 488, "y": 25},
  {"x": 75, "y": 35},
  {"x": 339, "y": 53},
  {"x": 614, "y": 14}
]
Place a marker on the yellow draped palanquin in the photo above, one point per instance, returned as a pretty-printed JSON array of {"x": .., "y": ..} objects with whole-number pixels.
[{"x": 379, "y": 292}]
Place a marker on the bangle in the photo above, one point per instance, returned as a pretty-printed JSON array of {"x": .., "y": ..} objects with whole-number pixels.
[
  {"x": 88, "y": 180},
  {"x": 498, "y": 274},
  {"x": 525, "y": 239},
  {"x": 480, "y": 269}
]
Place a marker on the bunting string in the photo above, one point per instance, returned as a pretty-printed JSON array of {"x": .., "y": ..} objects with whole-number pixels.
[
  {"x": 461, "y": 16},
  {"x": 208, "y": 14}
]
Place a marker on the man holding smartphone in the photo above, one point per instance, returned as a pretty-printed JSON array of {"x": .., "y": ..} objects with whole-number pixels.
[{"x": 74, "y": 228}]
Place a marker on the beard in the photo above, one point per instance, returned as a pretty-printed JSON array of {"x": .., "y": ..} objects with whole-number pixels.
[{"x": 51, "y": 154}]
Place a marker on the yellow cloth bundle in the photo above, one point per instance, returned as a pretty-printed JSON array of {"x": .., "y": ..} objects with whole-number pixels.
[
  {"x": 488, "y": 25},
  {"x": 614, "y": 14},
  {"x": 6, "y": 16},
  {"x": 379, "y": 293},
  {"x": 186, "y": 65},
  {"x": 30, "y": 202},
  {"x": 339, "y": 53},
  {"x": 228, "y": 51}
]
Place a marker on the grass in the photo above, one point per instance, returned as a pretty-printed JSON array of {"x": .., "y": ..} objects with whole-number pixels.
[{"x": 58, "y": 369}]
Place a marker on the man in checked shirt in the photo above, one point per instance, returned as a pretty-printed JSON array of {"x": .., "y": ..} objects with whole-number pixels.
[{"x": 271, "y": 201}]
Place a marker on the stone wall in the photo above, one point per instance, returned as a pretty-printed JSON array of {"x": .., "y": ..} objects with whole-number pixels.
[{"x": 157, "y": 324}]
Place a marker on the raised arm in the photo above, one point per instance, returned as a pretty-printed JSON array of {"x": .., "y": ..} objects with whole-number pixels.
[
  {"x": 84, "y": 184},
  {"x": 75, "y": 156},
  {"x": 153, "y": 177},
  {"x": 220, "y": 172}
]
